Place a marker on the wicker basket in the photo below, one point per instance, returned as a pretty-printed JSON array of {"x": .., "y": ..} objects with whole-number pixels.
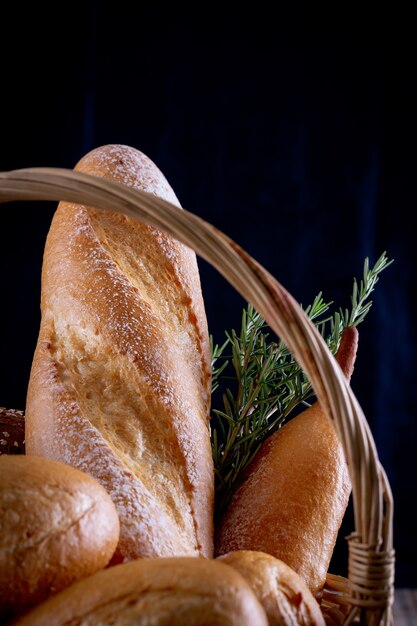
[{"x": 367, "y": 595}]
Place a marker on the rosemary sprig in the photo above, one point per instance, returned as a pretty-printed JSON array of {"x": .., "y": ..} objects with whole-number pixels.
[
  {"x": 360, "y": 294},
  {"x": 269, "y": 386},
  {"x": 216, "y": 353}
]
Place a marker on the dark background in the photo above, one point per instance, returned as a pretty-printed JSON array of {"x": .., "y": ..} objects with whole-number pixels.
[{"x": 294, "y": 133}]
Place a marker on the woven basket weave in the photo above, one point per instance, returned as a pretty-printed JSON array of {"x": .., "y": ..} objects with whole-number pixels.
[{"x": 367, "y": 595}]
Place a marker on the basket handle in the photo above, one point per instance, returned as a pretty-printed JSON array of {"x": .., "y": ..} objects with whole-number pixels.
[{"x": 371, "y": 555}]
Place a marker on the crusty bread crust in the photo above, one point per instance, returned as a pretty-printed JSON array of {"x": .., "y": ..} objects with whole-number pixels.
[
  {"x": 57, "y": 525},
  {"x": 12, "y": 431},
  {"x": 293, "y": 496},
  {"x": 120, "y": 382},
  {"x": 285, "y": 597},
  {"x": 155, "y": 592},
  {"x": 291, "y": 503}
]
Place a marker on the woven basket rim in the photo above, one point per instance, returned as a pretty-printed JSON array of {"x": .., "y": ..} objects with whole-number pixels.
[{"x": 371, "y": 556}]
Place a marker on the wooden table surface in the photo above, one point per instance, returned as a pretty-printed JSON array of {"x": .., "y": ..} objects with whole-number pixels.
[{"x": 405, "y": 607}]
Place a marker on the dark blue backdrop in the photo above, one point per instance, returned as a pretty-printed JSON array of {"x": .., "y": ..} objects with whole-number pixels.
[{"x": 294, "y": 134}]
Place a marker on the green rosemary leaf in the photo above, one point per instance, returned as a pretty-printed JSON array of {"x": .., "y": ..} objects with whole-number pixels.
[
  {"x": 267, "y": 386},
  {"x": 217, "y": 353},
  {"x": 360, "y": 308}
]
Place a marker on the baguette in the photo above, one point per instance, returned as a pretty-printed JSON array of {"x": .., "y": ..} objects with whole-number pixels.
[
  {"x": 155, "y": 592},
  {"x": 120, "y": 381},
  {"x": 57, "y": 525},
  {"x": 294, "y": 494}
]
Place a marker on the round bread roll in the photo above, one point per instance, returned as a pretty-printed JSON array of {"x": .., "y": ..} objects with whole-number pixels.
[
  {"x": 284, "y": 595},
  {"x": 57, "y": 525},
  {"x": 155, "y": 592}
]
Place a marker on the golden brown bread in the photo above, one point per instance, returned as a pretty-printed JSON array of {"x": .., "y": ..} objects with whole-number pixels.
[
  {"x": 57, "y": 525},
  {"x": 120, "y": 382},
  {"x": 155, "y": 592},
  {"x": 285, "y": 597},
  {"x": 294, "y": 494}
]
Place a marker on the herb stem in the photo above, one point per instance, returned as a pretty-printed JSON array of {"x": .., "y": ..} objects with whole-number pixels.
[{"x": 269, "y": 385}]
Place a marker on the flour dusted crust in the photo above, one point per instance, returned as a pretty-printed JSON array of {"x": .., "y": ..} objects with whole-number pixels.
[{"x": 120, "y": 382}]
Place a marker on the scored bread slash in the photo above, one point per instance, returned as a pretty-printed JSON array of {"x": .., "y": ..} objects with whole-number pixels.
[
  {"x": 121, "y": 377},
  {"x": 12, "y": 431}
]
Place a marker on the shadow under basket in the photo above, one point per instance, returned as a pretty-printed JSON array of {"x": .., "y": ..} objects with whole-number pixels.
[{"x": 367, "y": 595}]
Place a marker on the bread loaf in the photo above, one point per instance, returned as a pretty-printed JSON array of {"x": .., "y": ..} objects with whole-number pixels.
[
  {"x": 120, "y": 382},
  {"x": 285, "y": 597},
  {"x": 157, "y": 592},
  {"x": 57, "y": 525},
  {"x": 294, "y": 495},
  {"x": 12, "y": 431}
]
